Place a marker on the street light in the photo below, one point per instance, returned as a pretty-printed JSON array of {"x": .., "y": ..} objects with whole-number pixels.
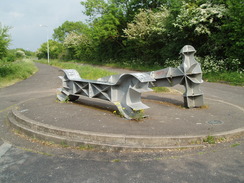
[{"x": 47, "y": 42}]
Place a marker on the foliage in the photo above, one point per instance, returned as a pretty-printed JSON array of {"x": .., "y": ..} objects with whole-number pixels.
[
  {"x": 93, "y": 8},
  {"x": 201, "y": 19},
  {"x": 55, "y": 49},
  {"x": 10, "y": 57},
  {"x": 147, "y": 35},
  {"x": 232, "y": 35},
  {"x": 4, "y": 40},
  {"x": 20, "y": 54},
  {"x": 211, "y": 64},
  {"x": 78, "y": 46},
  {"x": 147, "y": 24},
  {"x": 139, "y": 33},
  {"x": 210, "y": 140},
  {"x": 68, "y": 27},
  {"x": 11, "y": 72}
]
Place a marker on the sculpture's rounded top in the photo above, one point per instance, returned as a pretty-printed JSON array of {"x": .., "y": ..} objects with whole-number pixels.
[{"x": 188, "y": 49}]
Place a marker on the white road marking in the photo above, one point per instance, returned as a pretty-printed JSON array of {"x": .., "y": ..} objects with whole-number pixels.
[{"x": 4, "y": 148}]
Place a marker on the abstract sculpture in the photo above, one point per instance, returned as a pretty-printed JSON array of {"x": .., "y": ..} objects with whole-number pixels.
[{"x": 125, "y": 90}]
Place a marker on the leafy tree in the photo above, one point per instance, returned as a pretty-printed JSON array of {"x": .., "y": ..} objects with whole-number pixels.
[
  {"x": 232, "y": 35},
  {"x": 55, "y": 49},
  {"x": 4, "y": 40},
  {"x": 201, "y": 19},
  {"x": 78, "y": 46},
  {"x": 147, "y": 34},
  {"x": 106, "y": 24},
  {"x": 198, "y": 24},
  {"x": 152, "y": 31},
  {"x": 94, "y": 8},
  {"x": 147, "y": 24},
  {"x": 20, "y": 54},
  {"x": 66, "y": 28}
]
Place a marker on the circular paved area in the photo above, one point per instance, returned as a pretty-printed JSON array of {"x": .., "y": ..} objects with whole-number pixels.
[
  {"x": 168, "y": 124},
  {"x": 93, "y": 121}
]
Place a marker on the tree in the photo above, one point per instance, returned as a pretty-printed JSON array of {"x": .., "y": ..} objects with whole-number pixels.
[
  {"x": 147, "y": 34},
  {"x": 4, "y": 40},
  {"x": 109, "y": 19},
  {"x": 78, "y": 46},
  {"x": 106, "y": 27},
  {"x": 201, "y": 19},
  {"x": 152, "y": 31},
  {"x": 147, "y": 24},
  {"x": 55, "y": 49},
  {"x": 197, "y": 24},
  {"x": 232, "y": 37},
  {"x": 67, "y": 27},
  {"x": 20, "y": 54}
]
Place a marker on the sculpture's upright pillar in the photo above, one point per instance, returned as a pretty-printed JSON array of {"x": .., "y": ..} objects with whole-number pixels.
[
  {"x": 193, "y": 96},
  {"x": 189, "y": 74}
]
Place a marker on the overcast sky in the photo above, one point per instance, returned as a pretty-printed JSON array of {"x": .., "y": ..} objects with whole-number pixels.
[{"x": 26, "y": 16}]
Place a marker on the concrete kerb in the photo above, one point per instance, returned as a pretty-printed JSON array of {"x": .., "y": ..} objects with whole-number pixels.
[{"x": 107, "y": 140}]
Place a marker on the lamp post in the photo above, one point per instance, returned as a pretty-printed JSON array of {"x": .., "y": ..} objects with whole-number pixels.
[{"x": 47, "y": 42}]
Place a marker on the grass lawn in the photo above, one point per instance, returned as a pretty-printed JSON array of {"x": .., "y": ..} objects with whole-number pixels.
[
  {"x": 91, "y": 72},
  {"x": 85, "y": 71}
]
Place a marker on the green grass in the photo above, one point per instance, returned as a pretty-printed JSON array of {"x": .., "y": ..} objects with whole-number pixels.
[
  {"x": 85, "y": 71},
  {"x": 235, "y": 145},
  {"x": 161, "y": 89},
  {"x": 12, "y": 72},
  {"x": 90, "y": 72},
  {"x": 232, "y": 78},
  {"x": 209, "y": 140},
  {"x": 134, "y": 66}
]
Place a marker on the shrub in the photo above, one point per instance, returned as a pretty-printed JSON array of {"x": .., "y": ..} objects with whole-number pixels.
[
  {"x": 210, "y": 64},
  {"x": 20, "y": 54}
]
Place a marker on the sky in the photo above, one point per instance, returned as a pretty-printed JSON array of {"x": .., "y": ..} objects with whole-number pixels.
[{"x": 26, "y": 16}]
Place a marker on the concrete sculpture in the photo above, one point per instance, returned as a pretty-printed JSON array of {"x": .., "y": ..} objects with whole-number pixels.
[{"x": 125, "y": 90}]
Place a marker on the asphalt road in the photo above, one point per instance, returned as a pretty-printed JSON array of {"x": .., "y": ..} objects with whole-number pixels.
[{"x": 28, "y": 160}]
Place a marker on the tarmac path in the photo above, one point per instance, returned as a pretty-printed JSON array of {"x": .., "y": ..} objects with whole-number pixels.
[{"x": 26, "y": 160}]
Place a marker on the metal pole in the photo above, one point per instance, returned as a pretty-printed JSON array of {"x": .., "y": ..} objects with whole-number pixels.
[
  {"x": 48, "y": 59},
  {"x": 47, "y": 47}
]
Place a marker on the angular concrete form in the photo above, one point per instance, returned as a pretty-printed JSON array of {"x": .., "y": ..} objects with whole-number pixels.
[{"x": 125, "y": 90}]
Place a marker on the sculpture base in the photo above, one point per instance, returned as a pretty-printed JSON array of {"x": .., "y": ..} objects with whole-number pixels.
[{"x": 169, "y": 125}]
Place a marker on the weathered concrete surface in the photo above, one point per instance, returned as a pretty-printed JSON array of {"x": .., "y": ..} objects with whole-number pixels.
[
  {"x": 29, "y": 161},
  {"x": 93, "y": 121}
]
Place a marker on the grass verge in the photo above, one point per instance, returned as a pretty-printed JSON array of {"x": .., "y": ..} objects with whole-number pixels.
[
  {"x": 85, "y": 71},
  {"x": 232, "y": 78},
  {"x": 227, "y": 77},
  {"x": 91, "y": 72},
  {"x": 12, "y": 72}
]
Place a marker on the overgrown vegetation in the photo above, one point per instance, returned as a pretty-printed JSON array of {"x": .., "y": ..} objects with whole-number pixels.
[
  {"x": 144, "y": 35},
  {"x": 153, "y": 31},
  {"x": 13, "y": 63},
  {"x": 12, "y": 72},
  {"x": 210, "y": 140},
  {"x": 85, "y": 71},
  {"x": 4, "y": 40}
]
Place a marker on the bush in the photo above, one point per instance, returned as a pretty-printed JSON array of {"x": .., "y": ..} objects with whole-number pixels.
[
  {"x": 10, "y": 72},
  {"x": 210, "y": 64},
  {"x": 20, "y": 54}
]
